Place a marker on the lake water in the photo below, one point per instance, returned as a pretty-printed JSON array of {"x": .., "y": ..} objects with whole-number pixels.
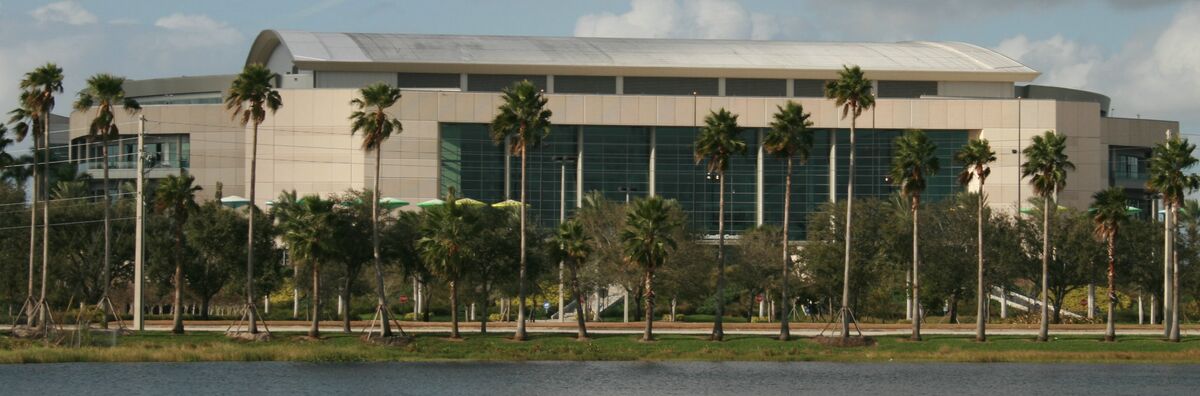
[{"x": 597, "y": 378}]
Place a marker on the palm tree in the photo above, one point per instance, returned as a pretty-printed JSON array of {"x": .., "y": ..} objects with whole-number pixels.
[
  {"x": 852, "y": 92},
  {"x": 104, "y": 92},
  {"x": 647, "y": 238},
  {"x": 788, "y": 138},
  {"x": 523, "y": 121},
  {"x": 976, "y": 157},
  {"x": 1046, "y": 164},
  {"x": 40, "y": 85},
  {"x": 1109, "y": 212},
  {"x": 717, "y": 142},
  {"x": 27, "y": 122},
  {"x": 447, "y": 231},
  {"x": 6, "y": 159},
  {"x": 306, "y": 224},
  {"x": 1168, "y": 162},
  {"x": 914, "y": 163},
  {"x": 176, "y": 198},
  {"x": 377, "y": 126},
  {"x": 250, "y": 97},
  {"x": 574, "y": 246}
]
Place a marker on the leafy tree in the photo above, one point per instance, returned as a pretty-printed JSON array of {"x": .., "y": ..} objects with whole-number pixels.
[
  {"x": 852, "y": 92},
  {"x": 522, "y": 121},
  {"x": 719, "y": 140},
  {"x": 602, "y": 220},
  {"x": 1168, "y": 163},
  {"x": 371, "y": 118},
  {"x": 493, "y": 262},
  {"x": 210, "y": 231},
  {"x": 789, "y": 138},
  {"x": 1109, "y": 207},
  {"x": 250, "y": 97},
  {"x": 873, "y": 256},
  {"x": 754, "y": 271},
  {"x": 977, "y": 156},
  {"x": 105, "y": 92},
  {"x": 574, "y": 246},
  {"x": 914, "y": 162},
  {"x": 176, "y": 198},
  {"x": 1046, "y": 164},
  {"x": 648, "y": 239},
  {"x": 1072, "y": 260}
]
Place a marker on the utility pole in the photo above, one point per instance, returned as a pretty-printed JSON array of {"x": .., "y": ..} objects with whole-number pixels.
[{"x": 139, "y": 258}]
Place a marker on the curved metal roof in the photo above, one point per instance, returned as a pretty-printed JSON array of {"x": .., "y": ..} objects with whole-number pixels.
[{"x": 915, "y": 56}]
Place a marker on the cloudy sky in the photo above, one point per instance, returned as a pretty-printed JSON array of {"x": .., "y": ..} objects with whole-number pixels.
[{"x": 1145, "y": 54}]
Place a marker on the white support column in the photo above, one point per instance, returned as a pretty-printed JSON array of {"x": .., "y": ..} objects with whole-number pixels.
[
  {"x": 462, "y": 82},
  {"x": 139, "y": 260},
  {"x": 791, "y": 88},
  {"x": 721, "y": 86},
  {"x": 579, "y": 165},
  {"x": 653, "y": 158},
  {"x": 758, "y": 181},
  {"x": 507, "y": 169},
  {"x": 620, "y": 85},
  {"x": 1003, "y": 303},
  {"x": 833, "y": 165},
  {"x": 1091, "y": 301},
  {"x": 550, "y": 83}
]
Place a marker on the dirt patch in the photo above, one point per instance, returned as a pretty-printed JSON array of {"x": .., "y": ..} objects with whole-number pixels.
[
  {"x": 849, "y": 342},
  {"x": 388, "y": 341},
  {"x": 247, "y": 336}
]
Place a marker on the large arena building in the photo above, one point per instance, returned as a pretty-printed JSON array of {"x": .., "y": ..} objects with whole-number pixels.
[{"x": 625, "y": 114}]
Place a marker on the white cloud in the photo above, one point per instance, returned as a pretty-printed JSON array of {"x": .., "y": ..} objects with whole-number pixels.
[
  {"x": 190, "y": 31},
  {"x": 68, "y": 12},
  {"x": 1155, "y": 76},
  {"x": 706, "y": 19}
]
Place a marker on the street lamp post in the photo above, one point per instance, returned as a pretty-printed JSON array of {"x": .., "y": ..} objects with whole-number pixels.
[
  {"x": 627, "y": 190},
  {"x": 562, "y": 160}
]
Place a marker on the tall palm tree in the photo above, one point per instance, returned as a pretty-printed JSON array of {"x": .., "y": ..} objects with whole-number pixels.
[
  {"x": 719, "y": 140},
  {"x": 647, "y": 238},
  {"x": 853, "y": 93},
  {"x": 1109, "y": 212},
  {"x": 371, "y": 118},
  {"x": 447, "y": 230},
  {"x": 523, "y": 121},
  {"x": 977, "y": 156},
  {"x": 1168, "y": 162},
  {"x": 40, "y": 86},
  {"x": 306, "y": 224},
  {"x": 250, "y": 97},
  {"x": 1046, "y": 164},
  {"x": 574, "y": 246},
  {"x": 176, "y": 198},
  {"x": 105, "y": 92},
  {"x": 6, "y": 158},
  {"x": 789, "y": 138},
  {"x": 914, "y": 162},
  {"x": 26, "y": 121}
]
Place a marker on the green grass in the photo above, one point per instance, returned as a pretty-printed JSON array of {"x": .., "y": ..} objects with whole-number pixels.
[{"x": 162, "y": 347}]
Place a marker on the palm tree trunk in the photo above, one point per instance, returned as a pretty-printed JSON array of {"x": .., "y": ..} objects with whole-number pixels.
[
  {"x": 784, "y": 331},
  {"x": 176, "y": 313},
  {"x": 1110, "y": 331},
  {"x": 44, "y": 313},
  {"x": 849, "y": 221},
  {"x": 37, "y": 181},
  {"x": 454, "y": 310},
  {"x": 314, "y": 329},
  {"x": 648, "y": 335},
  {"x": 346, "y": 305},
  {"x": 981, "y": 303},
  {"x": 106, "y": 275},
  {"x": 718, "y": 333},
  {"x": 1168, "y": 249},
  {"x": 581, "y": 334},
  {"x": 916, "y": 279},
  {"x": 520, "y": 334},
  {"x": 204, "y": 301},
  {"x": 1174, "y": 213},
  {"x": 1044, "y": 331},
  {"x": 250, "y": 236},
  {"x": 383, "y": 307}
]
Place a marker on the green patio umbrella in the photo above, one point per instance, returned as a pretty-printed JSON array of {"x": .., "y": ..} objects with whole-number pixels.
[
  {"x": 234, "y": 201},
  {"x": 392, "y": 203},
  {"x": 431, "y": 203},
  {"x": 469, "y": 202}
]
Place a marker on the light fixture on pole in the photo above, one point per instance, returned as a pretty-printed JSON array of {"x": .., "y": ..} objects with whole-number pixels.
[
  {"x": 627, "y": 190},
  {"x": 562, "y": 160}
]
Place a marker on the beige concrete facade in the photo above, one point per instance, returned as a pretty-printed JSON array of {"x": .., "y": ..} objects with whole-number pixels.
[{"x": 307, "y": 145}]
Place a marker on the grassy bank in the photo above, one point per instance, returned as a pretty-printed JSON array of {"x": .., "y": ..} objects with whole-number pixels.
[{"x": 161, "y": 347}]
